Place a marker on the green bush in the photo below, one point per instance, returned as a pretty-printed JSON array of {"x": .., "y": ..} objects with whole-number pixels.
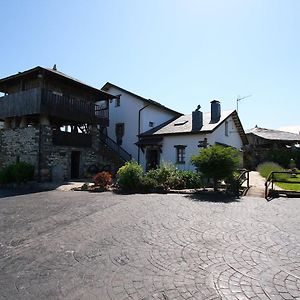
[
  {"x": 147, "y": 184},
  {"x": 19, "y": 172},
  {"x": 266, "y": 168},
  {"x": 168, "y": 176},
  {"x": 162, "y": 173},
  {"x": 284, "y": 156},
  {"x": 217, "y": 162},
  {"x": 192, "y": 179},
  {"x": 129, "y": 176},
  {"x": 6, "y": 175}
]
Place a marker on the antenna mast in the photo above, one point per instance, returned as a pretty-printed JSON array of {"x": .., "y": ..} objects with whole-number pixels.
[{"x": 238, "y": 100}]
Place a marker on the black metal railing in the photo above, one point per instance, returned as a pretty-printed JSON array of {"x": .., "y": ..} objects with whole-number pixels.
[
  {"x": 275, "y": 177},
  {"x": 112, "y": 145},
  {"x": 243, "y": 177}
]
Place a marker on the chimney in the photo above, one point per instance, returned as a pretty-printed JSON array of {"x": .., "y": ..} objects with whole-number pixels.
[
  {"x": 215, "y": 111},
  {"x": 197, "y": 119}
]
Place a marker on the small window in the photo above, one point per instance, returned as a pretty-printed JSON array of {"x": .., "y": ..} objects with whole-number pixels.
[
  {"x": 226, "y": 128},
  {"x": 151, "y": 124},
  {"x": 117, "y": 102},
  {"x": 180, "y": 154}
]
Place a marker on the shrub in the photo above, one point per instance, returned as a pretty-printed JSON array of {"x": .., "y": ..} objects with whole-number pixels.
[
  {"x": 147, "y": 184},
  {"x": 168, "y": 176},
  {"x": 22, "y": 172},
  {"x": 129, "y": 176},
  {"x": 192, "y": 179},
  {"x": 19, "y": 172},
  {"x": 162, "y": 173},
  {"x": 6, "y": 175},
  {"x": 266, "y": 168},
  {"x": 216, "y": 162},
  {"x": 102, "y": 179}
]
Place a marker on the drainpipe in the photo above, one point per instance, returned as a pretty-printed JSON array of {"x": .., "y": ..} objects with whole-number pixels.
[{"x": 139, "y": 129}]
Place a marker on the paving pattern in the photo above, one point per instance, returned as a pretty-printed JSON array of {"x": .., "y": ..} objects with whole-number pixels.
[{"x": 76, "y": 245}]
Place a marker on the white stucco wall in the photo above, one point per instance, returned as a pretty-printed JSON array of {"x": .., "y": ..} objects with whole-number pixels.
[
  {"x": 128, "y": 113},
  {"x": 191, "y": 142}
]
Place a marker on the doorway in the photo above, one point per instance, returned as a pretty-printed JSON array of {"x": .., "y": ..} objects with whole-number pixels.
[
  {"x": 152, "y": 159},
  {"x": 75, "y": 164}
]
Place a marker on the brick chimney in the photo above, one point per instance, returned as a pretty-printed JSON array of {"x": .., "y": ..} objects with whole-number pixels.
[{"x": 215, "y": 111}]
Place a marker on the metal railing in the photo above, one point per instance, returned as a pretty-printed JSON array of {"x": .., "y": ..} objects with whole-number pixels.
[
  {"x": 271, "y": 179},
  {"x": 112, "y": 145},
  {"x": 243, "y": 177}
]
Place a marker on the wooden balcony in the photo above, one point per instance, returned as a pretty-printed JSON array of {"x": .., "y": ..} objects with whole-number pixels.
[
  {"x": 71, "y": 139},
  {"x": 40, "y": 101}
]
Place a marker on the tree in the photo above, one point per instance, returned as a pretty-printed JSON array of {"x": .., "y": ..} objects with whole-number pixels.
[{"x": 216, "y": 162}]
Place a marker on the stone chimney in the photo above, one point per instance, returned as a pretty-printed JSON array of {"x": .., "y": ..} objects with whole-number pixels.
[
  {"x": 197, "y": 119},
  {"x": 215, "y": 111}
]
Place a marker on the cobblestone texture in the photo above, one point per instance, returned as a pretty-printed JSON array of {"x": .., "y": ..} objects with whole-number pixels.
[{"x": 74, "y": 245}]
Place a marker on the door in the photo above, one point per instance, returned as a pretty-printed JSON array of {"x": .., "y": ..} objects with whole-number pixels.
[
  {"x": 75, "y": 163},
  {"x": 152, "y": 159}
]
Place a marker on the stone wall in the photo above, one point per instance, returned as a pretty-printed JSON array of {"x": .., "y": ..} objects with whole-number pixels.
[
  {"x": 54, "y": 161},
  {"x": 20, "y": 143}
]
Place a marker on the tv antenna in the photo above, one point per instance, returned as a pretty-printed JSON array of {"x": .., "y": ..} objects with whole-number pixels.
[{"x": 239, "y": 98}]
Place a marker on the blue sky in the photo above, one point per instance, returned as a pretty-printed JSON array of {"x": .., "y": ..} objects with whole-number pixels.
[{"x": 179, "y": 52}]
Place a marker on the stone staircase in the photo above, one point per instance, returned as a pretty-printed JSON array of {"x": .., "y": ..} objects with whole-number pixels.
[{"x": 112, "y": 153}]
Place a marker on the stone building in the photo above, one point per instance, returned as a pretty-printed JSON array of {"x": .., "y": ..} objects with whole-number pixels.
[{"x": 51, "y": 121}]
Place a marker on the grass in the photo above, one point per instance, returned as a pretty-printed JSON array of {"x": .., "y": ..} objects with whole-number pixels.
[{"x": 266, "y": 168}]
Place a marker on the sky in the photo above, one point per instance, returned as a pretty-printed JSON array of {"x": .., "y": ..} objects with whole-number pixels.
[{"x": 180, "y": 53}]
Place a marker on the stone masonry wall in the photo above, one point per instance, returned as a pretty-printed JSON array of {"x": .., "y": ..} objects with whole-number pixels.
[
  {"x": 20, "y": 143},
  {"x": 56, "y": 160}
]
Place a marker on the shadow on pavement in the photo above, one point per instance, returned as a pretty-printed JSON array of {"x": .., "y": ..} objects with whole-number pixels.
[
  {"x": 211, "y": 196},
  {"x": 27, "y": 189}
]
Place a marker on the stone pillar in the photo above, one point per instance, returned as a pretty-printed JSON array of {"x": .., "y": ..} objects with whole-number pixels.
[
  {"x": 7, "y": 123},
  {"x": 44, "y": 120},
  {"x": 14, "y": 123},
  {"x": 23, "y": 123}
]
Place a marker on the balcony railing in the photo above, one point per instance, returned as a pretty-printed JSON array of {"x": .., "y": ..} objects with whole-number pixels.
[{"x": 42, "y": 101}]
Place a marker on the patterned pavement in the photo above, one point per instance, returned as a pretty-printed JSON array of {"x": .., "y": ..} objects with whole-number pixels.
[{"x": 77, "y": 245}]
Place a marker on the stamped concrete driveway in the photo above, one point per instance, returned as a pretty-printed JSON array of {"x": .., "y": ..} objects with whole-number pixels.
[{"x": 76, "y": 245}]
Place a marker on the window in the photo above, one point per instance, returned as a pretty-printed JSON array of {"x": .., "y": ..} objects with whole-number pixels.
[
  {"x": 226, "y": 128},
  {"x": 117, "y": 102},
  {"x": 151, "y": 124},
  {"x": 180, "y": 154}
]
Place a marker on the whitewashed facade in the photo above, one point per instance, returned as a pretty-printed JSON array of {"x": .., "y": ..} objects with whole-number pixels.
[
  {"x": 162, "y": 131},
  {"x": 138, "y": 115},
  {"x": 191, "y": 141}
]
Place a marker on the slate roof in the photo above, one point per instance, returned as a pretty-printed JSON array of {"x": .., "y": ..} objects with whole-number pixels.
[
  {"x": 6, "y": 80},
  {"x": 107, "y": 85},
  {"x": 274, "y": 135},
  {"x": 183, "y": 125}
]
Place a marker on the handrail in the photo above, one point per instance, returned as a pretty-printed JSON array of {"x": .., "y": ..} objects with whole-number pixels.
[
  {"x": 271, "y": 179},
  {"x": 244, "y": 176},
  {"x": 124, "y": 155}
]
